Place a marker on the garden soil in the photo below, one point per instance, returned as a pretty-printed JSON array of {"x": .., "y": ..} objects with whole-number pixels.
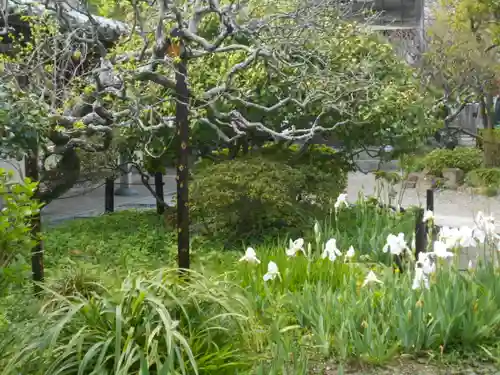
[{"x": 410, "y": 367}]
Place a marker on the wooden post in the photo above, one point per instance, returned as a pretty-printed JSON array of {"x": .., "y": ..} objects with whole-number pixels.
[
  {"x": 182, "y": 122},
  {"x": 109, "y": 195},
  {"x": 420, "y": 235},
  {"x": 159, "y": 184},
  {"x": 37, "y": 268}
]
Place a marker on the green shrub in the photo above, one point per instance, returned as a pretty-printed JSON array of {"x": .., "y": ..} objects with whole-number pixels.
[
  {"x": 483, "y": 177},
  {"x": 16, "y": 242},
  {"x": 266, "y": 190},
  {"x": 247, "y": 196},
  {"x": 324, "y": 169},
  {"x": 412, "y": 163},
  {"x": 464, "y": 158}
]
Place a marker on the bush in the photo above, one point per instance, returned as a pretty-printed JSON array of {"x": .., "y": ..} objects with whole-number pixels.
[
  {"x": 247, "y": 196},
  {"x": 324, "y": 169},
  {"x": 16, "y": 210},
  {"x": 464, "y": 158},
  {"x": 268, "y": 189},
  {"x": 483, "y": 177}
]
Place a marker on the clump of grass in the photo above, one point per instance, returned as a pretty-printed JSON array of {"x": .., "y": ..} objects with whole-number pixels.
[{"x": 151, "y": 325}]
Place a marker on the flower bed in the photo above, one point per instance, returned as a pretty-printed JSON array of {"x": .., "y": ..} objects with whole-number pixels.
[{"x": 322, "y": 301}]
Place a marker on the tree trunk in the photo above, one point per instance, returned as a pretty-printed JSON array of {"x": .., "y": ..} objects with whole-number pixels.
[
  {"x": 491, "y": 143},
  {"x": 182, "y": 120},
  {"x": 37, "y": 269}
]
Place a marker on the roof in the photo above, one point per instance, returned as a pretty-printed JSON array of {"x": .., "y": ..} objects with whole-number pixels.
[{"x": 107, "y": 28}]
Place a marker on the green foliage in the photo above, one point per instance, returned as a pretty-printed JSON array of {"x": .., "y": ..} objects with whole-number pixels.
[
  {"x": 269, "y": 189},
  {"x": 236, "y": 323},
  {"x": 248, "y": 197},
  {"x": 483, "y": 177},
  {"x": 356, "y": 79},
  {"x": 324, "y": 168},
  {"x": 367, "y": 226},
  {"x": 16, "y": 241},
  {"x": 411, "y": 163},
  {"x": 126, "y": 239},
  {"x": 150, "y": 325},
  {"x": 464, "y": 158}
]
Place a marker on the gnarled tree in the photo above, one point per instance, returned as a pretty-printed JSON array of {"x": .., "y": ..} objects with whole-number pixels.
[{"x": 229, "y": 73}]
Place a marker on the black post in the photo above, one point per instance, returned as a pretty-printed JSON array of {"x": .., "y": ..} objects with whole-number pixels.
[
  {"x": 398, "y": 265},
  {"x": 160, "y": 209},
  {"x": 109, "y": 195},
  {"x": 420, "y": 235},
  {"x": 430, "y": 207},
  {"x": 37, "y": 268},
  {"x": 430, "y": 200},
  {"x": 182, "y": 122}
]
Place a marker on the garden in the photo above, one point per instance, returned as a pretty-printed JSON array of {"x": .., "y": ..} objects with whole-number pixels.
[
  {"x": 265, "y": 266},
  {"x": 344, "y": 294},
  {"x": 461, "y": 168}
]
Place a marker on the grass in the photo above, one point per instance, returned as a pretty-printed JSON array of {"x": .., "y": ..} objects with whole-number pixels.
[
  {"x": 114, "y": 305},
  {"x": 123, "y": 239}
]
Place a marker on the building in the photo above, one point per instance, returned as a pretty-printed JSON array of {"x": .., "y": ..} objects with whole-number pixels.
[{"x": 402, "y": 22}]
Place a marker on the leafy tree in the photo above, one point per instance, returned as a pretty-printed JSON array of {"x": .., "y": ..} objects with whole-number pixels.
[
  {"x": 16, "y": 210},
  {"x": 207, "y": 71},
  {"x": 462, "y": 58}
]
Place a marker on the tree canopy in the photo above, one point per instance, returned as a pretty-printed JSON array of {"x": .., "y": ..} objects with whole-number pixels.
[
  {"x": 462, "y": 58},
  {"x": 256, "y": 70}
]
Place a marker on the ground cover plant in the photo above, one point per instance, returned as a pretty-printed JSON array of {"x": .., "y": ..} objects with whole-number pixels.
[{"x": 330, "y": 299}]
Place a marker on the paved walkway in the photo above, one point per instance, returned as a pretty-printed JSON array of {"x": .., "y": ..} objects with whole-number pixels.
[
  {"x": 89, "y": 202},
  {"x": 451, "y": 208}
]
